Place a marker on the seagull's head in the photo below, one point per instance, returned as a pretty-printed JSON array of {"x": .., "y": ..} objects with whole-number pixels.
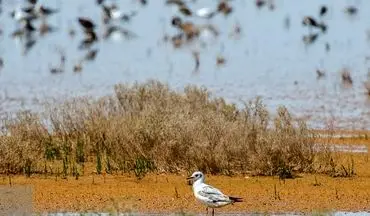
[{"x": 196, "y": 176}]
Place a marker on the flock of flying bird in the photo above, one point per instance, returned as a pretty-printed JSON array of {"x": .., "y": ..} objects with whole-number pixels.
[
  {"x": 25, "y": 16},
  {"x": 187, "y": 31},
  {"x": 28, "y": 14},
  {"x": 312, "y": 23}
]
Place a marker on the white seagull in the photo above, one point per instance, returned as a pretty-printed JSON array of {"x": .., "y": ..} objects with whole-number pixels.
[{"x": 208, "y": 195}]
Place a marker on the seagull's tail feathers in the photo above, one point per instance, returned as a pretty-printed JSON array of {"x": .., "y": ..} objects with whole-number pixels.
[{"x": 236, "y": 199}]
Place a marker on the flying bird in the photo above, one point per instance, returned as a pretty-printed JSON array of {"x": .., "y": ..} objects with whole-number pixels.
[
  {"x": 351, "y": 10},
  {"x": 44, "y": 11},
  {"x": 86, "y": 23},
  {"x": 311, "y": 22},
  {"x": 113, "y": 13},
  {"x": 205, "y": 13},
  {"x": 323, "y": 10}
]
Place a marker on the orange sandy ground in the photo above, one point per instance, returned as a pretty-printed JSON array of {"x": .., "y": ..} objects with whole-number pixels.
[{"x": 171, "y": 193}]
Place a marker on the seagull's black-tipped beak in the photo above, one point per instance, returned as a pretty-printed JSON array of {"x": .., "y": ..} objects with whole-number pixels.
[{"x": 188, "y": 178}]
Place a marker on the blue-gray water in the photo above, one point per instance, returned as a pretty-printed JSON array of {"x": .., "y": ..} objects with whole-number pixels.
[{"x": 268, "y": 59}]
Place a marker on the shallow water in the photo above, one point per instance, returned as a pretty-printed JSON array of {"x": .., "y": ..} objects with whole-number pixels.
[
  {"x": 352, "y": 148},
  {"x": 267, "y": 60}
]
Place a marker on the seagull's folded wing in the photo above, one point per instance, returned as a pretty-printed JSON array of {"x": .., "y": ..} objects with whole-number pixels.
[{"x": 213, "y": 194}]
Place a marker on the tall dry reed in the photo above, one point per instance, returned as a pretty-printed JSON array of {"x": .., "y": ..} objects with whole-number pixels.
[{"x": 146, "y": 127}]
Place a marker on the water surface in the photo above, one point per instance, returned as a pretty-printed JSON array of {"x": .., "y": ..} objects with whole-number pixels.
[{"x": 268, "y": 59}]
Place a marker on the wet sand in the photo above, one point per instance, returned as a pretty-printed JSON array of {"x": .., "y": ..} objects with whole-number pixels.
[{"x": 170, "y": 193}]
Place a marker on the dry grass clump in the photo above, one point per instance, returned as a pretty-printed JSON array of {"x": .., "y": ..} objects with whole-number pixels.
[{"x": 146, "y": 127}]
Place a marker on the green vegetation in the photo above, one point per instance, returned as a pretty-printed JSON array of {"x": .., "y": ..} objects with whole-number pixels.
[{"x": 149, "y": 127}]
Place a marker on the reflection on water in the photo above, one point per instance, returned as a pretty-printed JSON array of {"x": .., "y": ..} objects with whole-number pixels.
[{"x": 269, "y": 58}]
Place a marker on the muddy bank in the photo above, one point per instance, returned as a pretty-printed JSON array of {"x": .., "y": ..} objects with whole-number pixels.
[{"x": 170, "y": 193}]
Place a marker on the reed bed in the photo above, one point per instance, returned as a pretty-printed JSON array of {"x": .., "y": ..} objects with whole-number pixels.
[{"x": 149, "y": 127}]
